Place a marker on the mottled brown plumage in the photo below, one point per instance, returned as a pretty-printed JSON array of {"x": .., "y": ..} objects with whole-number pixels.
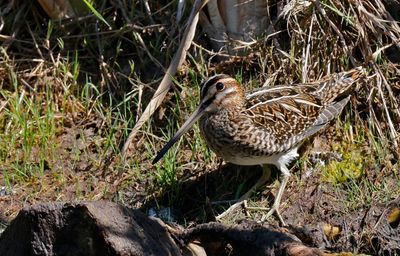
[{"x": 266, "y": 126}]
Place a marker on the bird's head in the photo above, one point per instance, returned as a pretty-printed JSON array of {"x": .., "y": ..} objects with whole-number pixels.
[
  {"x": 217, "y": 92},
  {"x": 220, "y": 91}
]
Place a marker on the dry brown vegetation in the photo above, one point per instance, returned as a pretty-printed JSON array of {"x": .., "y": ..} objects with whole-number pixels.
[{"x": 71, "y": 91}]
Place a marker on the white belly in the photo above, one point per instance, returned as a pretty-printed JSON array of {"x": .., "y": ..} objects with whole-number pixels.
[{"x": 277, "y": 160}]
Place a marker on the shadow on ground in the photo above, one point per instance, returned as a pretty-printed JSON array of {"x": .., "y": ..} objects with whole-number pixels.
[
  {"x": 318, "y": 209},
  {"x": 202, "y": 196}
]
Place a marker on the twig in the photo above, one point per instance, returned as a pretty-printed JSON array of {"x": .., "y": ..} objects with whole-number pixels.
[
  {"x": 140, "y": 40},
  {"x": 148, "y": 10},
  {"x": 307, "y": 53},
  {"x": 392, "y": 130},
  {"x": 342, "y": 40},
  {"x": 165, "y": 84}
]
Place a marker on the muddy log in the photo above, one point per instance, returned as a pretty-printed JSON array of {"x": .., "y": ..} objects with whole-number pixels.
[
  {"x": 248, "y": 238},
  {"x": 106, "y": 228}
]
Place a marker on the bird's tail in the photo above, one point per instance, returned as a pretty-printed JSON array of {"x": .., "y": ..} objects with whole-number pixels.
[{"x": 340, "y": 85}]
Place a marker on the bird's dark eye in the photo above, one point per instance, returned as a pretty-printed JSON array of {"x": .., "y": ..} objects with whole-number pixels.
[{"x": 220, "y": 86}]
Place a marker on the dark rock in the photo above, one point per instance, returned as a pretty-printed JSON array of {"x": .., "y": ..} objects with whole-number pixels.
[
  {"x": 248, "y": 238},
  {"x": 86, "y": 228},
  {"x": 105, "y": 228}
]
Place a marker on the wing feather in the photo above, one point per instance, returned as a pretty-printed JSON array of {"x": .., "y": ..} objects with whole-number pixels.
[{"x": 289, "y": 114}]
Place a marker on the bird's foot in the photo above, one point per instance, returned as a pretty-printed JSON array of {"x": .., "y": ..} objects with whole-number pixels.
[
  {"x": 266, "y": 174},
  {"x": 230, "y": 209},
  {"x": 274, "y": 209}
]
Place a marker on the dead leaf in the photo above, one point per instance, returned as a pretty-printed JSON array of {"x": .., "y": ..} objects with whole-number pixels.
[{"x": 331, "y": 232}]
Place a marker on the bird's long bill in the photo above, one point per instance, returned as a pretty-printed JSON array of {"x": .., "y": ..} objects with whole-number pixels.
[{"x": 186, "y": 126}]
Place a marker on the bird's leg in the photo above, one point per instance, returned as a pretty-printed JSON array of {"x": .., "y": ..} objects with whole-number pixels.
[
  {"x": 266, "y": 174},
  {"x": 275, "y": 207}
]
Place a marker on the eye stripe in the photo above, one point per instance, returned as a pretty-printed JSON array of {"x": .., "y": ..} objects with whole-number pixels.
[
  {"x": 208, "y": 102},
  {"x": 210, "y": 81}
]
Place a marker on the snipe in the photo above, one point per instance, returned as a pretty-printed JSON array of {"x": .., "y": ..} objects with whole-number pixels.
[{"x": 265, "y": 126}]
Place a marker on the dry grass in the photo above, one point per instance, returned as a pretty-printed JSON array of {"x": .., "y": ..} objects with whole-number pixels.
[{"x": 71, "y": 91}]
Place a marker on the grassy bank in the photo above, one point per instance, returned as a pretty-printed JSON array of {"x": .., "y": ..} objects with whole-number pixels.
[{"x": 71, "y": 91}]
